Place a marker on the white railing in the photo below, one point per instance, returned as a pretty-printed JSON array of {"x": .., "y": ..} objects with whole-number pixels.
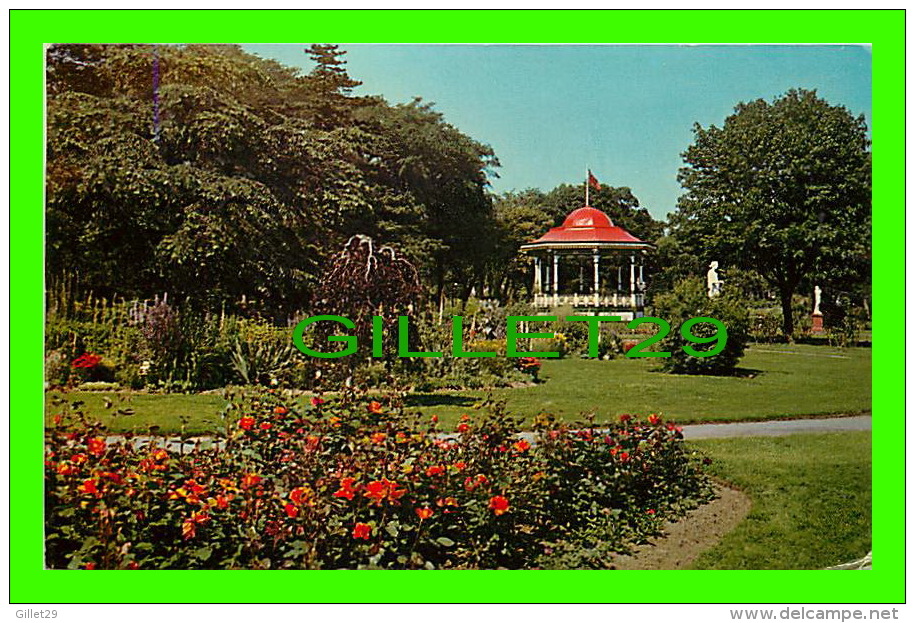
[{"x": 589, "y": 300}]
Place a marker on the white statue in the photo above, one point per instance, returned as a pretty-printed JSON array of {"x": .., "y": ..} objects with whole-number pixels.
[
  {"x": 816, "y": 301},
  {"x": 714, "y": 283}
]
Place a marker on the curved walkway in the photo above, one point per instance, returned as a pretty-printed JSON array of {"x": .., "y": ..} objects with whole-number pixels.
[{"x": 772, "y": 428}]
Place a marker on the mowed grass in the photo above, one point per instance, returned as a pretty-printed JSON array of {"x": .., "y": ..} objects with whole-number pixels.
[
  {"x": 811, "y": 500},
  {"x": 172, "y": 413},
  {"x": 786, "y": 381},
  {"x": 780, "y": 381}
]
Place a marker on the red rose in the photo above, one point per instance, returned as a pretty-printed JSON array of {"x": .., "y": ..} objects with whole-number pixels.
[
  {"x": 88, "y": 486},
  {"x": 299, "y": 495},
  {"x": 498, "y": 504},
  {"x": 347, "y": 489},
  {"x": 96, "y": 446},
  {"x": 362, "y": 531},
  {"x": 246, "y": 422}
]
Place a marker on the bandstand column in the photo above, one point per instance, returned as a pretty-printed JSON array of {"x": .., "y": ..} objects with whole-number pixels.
[
  {"x": 555, "y": 278},
  {"x": 596, "y": 278},
  {"x": 538, "y": 277},
  {"x": 632, "y": 279}
]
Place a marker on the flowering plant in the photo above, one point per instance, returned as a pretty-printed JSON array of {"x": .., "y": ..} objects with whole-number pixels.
[
  {"x": 353, "y": 483},
  {"x": 530, "y": 365},
  {"x": 87, "y": 360}
]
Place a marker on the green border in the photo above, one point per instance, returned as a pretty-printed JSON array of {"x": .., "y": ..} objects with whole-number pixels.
[{"x": 29, "y": 30}]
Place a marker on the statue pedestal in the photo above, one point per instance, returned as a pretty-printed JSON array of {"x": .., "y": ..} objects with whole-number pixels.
[{"x": 817, "y": 328}]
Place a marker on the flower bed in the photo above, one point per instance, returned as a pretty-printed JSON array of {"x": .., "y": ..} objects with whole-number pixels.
[{"x": 359, "y": 484}]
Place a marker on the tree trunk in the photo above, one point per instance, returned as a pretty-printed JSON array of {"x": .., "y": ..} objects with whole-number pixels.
[{"x": 786, "y": 293}]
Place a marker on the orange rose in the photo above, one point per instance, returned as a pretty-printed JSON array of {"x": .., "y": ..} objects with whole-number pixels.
[{"x": 521, "y": 445}]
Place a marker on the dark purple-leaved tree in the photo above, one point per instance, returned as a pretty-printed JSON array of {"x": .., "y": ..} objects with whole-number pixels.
[{"x": 364, "y": 280}]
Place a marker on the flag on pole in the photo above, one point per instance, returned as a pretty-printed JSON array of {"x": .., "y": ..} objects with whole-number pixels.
[{"x": 592, "y": 181}]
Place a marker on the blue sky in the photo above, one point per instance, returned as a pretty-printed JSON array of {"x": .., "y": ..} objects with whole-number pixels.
[{"x": 626, "y": 112}]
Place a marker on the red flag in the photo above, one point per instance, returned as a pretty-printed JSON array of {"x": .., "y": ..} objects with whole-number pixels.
[{"x": 592, "y": 181}]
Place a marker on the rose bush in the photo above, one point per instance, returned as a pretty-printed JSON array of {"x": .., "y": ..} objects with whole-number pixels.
[{"x": 358, "y": 483}]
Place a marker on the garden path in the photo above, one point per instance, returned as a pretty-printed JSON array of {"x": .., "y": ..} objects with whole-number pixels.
[{"x": 773, "y": 428}]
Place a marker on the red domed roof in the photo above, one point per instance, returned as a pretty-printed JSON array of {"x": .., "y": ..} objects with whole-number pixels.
[
  {"x": 587, "y": 217},
  {"x": 588, "y": 225}
]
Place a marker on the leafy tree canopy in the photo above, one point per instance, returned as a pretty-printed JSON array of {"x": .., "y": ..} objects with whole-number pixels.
[
  {"x": 782, "y": 188},
  {"x": 214, "y": 174}
]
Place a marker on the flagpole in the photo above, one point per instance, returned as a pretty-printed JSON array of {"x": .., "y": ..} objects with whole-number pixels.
[{"x": 587, "y": 188}]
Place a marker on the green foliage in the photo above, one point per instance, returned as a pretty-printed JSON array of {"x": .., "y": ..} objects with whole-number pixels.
[
  {"x": 767, "y": 324},
  {"x": 782, "y": 188},
  {"x": 689, "y": 299},
  {"x": 846, "y": 332},
  {"x": 56, "y": 368},
  {"x": 358, "y": 484},
  {"x": 247, "y": 176},
  {"x": 448, "y": 371}
]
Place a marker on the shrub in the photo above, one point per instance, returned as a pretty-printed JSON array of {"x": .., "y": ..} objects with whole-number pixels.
[
  {"x": 56, "y": 368},
  {"x": 529, "y": 365},
  {"x": 766, "y": 326},
  {"x": 355, "y": 483},
  {"x": 846, "y": 333},
  {"x": 689, "y": 299},
  {"x": 611, "y": 344},
  {"x": 447, "y": 371}
]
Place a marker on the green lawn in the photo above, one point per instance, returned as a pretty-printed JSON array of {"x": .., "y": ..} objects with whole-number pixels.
[
  {"x": 811, "y": 500},
  {"x": 787, "y": 381}
]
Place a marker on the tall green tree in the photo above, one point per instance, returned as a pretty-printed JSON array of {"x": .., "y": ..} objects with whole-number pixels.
[
  {"x": 444, "y": 174},
  {"x": 782, "y": 188},
  {"x": 519, "y": 218},
  {"x": 211, "y": 173}
]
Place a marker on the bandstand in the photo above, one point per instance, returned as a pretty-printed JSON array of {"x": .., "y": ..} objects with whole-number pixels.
[{"x": 589, "y": 264}]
